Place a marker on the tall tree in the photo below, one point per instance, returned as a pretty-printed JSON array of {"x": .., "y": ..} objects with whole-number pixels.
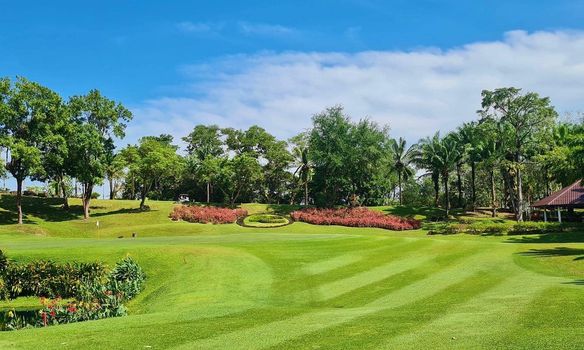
[
  {"x": 237, "y": 175},
  {"x": 152, "y": 160},
  {"x": 523, "y": 117},
  {"x": 303, "y": 170},
  {"x": 97, "y": 121},
  {"x": 30, "y": 113},
  {"x": 402, "y": 157},
  {"x": 427, "y": 157}
]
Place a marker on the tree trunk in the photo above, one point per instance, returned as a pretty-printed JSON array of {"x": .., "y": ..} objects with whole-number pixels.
[
  {"x": 399, "y": 181},
  {"x": 306, "y": 193},
  {"x": 519, "y": 196},
  {"x": 111, "y": 186},
  {"x": 436, "y": 181},
  {"x": 473, "y": 169},
  {"x": 447, "y": 193},
  {"x": 65, "y": 196},
  {"x": 19, "y": 199},
  {"x": 208, "y": 192},
  {"x": 459, "y": 184},
  {"x": 493, "y": 194},
  {"x": 87, "y": 191}
]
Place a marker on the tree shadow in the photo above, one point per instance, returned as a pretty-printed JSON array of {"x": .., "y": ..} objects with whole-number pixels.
[
  {"x": 557, "y": 251},
  {"x": 47, "y": 209},
  {"x": 121, "y": 211},
  {"x": 282, "y": 209},
  {"x": 576, "y": 282},
  {"x": 563, "y": 237}
]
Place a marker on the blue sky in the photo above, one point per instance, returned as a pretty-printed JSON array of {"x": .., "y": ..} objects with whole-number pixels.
[
  {"x": 418, "y": 66},
  {"x": 133, "y": 50}
]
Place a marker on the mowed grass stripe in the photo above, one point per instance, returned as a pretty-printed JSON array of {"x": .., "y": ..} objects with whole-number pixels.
[
  {"x": 278, "y": 332},
  {"x": 486, "y": 317},
  {"x": 372, "y": 291},
  {"x": 372, "y": 330},
  {"x": 375, "y": 257}
]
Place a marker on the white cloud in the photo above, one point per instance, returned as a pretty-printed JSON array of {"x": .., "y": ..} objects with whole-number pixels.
[
  {"x": 416, "y": 92},
  {"x": 198, "y": 27},
  {"x": 263, "y": 29}
]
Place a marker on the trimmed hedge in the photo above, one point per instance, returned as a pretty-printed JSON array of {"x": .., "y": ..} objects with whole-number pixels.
[
  {"x": 204, "y": 215},
  {"x": 354, "y": 217}
]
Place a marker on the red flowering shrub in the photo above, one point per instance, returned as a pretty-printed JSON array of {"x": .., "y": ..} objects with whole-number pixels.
[
  {"x": 205, "y": 215},
  {"x": 354, "y": 217}
]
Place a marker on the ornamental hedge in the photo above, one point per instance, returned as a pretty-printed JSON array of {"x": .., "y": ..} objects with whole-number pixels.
[
  {"x": 204, "y": 215},
  {"x": 354, "y": 217}
]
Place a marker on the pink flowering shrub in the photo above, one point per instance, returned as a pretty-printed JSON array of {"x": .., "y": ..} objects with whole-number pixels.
[
  {"x": 203, "y": 215},
  {"x": 354, "y": 217}
]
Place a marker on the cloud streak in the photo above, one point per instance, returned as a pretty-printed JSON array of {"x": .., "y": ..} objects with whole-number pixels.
[{"x": 416, "y": 92}]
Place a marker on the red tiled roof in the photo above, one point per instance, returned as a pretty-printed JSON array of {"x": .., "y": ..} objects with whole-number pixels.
[{"x": 571, "y": 196}]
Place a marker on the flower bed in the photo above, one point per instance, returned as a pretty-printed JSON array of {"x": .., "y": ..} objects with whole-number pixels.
[
  {"x": 354, "y": 217},
  {"x": 203, "y": 215}
]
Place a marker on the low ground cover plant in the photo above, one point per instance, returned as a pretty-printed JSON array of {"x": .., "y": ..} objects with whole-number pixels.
[
  {"x": 497, "y": 229},
  {"x": 206, "y": 214},
  {"x": 354, "y": 217},
  {"x": 89, "y": 292},
  {"x": 267, "y": 219}
]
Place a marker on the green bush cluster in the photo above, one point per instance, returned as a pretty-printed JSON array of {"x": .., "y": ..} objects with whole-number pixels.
[
  {"x": 47, "y": 278},
  {"x": 497, "y": 229},
  {"x": 267, "y": 219},
  {"x": 95, "y": 293}
]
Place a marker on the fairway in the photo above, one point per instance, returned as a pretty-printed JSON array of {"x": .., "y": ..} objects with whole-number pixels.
[{"x": 305, "y": 286}]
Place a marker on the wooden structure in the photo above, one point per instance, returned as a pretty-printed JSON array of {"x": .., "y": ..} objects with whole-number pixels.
[{"x": 569, "y": 197}]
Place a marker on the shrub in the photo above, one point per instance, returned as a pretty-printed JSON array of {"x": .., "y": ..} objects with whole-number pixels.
[
  {"x": 126, "y": 278},
  {"x": 531, "y": 227},
  {"x": 354, "y": 217},
  {"x": 203, "y": 215},
  {"x": 94, "y": 195},
  {"x": 49, "y": 279},
  {"x": 268, "y": 219}
]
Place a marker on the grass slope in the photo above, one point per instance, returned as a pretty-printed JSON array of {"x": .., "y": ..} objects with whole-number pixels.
[{"x": 305, "y": 286}]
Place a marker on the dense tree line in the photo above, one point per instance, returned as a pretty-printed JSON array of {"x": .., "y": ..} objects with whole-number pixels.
[{"x": 517, "y": 150}]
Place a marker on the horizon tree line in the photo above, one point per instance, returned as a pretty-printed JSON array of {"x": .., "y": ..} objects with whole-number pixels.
[{"x": 517, "y": 150}]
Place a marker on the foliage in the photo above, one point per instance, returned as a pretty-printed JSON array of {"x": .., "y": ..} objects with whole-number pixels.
[
  {"x": 203, "y": 215},
  {"x": 49, "y": 279},
  {"x": 354, "y": 217},
  {"x": 267, "y": 219},
  {"x": 126, "y": 278}
]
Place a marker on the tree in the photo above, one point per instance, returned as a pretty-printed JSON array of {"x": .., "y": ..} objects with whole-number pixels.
[
  {"x": 152, "y": 160},
  {"x": 303, "y": 170},
  {"x": 427, "y": 157},
  {"x": 402, "y": 158},
  {"x": 237, "y": 175},
  {"x": 114, "y": 172},
  {"x": 97, "y": 120},
  {"x": 205, "y": 146},
  {"x": 523, "y": 117},
  {"x": 30, "y": 112}
]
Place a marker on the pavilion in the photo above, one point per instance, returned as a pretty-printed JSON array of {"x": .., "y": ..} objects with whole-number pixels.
[{"x": 569, "y": 197}]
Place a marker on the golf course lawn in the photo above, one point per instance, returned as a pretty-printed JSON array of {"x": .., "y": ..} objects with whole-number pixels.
[{"x": 305, "y": 286}]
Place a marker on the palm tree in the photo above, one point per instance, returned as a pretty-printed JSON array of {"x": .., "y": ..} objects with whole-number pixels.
[
  {"x": 402, "y": 159},
  {"x": 446, "y": 158},
  {"x": 304, "y": 168},
  {"x": 425, "y": 158}
]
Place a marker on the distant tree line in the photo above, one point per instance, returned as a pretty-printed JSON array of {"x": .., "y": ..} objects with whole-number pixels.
[{"x": 517, "y": 150}]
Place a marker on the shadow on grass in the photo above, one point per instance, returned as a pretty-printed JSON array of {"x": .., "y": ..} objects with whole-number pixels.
[
  {"x": 563, "y": 237},
  {"x": 557, "y": 251},
  {"x": 282, "y": 209},
  {"x": 47, "y": 209},
  {"x": 576, "y": 282},
  {"x": 122, "y": 211}
]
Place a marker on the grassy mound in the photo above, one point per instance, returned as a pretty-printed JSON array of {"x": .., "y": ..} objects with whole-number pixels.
[
  {"x": 265, "y": 220},
  {"x": 306, "y": 286}
]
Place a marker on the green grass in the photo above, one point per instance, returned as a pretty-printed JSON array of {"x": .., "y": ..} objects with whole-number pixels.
[{"x": 304, "y": 286}]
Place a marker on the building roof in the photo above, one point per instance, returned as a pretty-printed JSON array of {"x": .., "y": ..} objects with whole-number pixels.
[{"x": 571, "y": 196}]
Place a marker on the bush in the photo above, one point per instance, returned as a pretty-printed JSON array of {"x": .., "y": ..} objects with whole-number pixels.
[
  {"x": 354, "y": 217},
  {"x": 49, "y": 279},
  {"x": 268, "y": 219},
  {"x": 532, "y": 227},
  {"x": 126, "y": 278},
  {"x": 476, "y": 228},
  {"x": 94, "y": 195},
  {"x": 203, "y": 215}
]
